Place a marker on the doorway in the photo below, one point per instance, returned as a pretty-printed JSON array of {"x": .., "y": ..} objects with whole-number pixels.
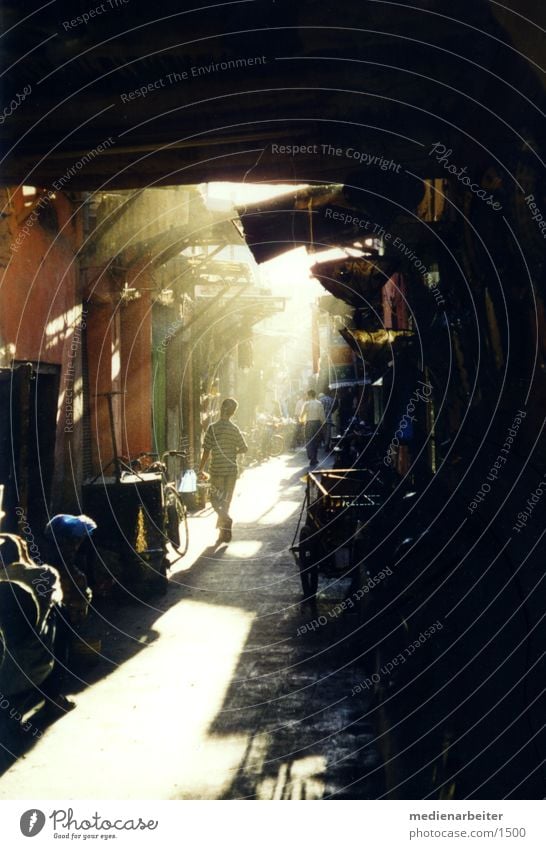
[{"x": 29, "y": 393}]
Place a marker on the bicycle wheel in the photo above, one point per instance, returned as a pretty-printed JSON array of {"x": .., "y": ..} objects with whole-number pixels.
[
  {"x": 276, "y": 445},
  {"x": 176, "y": 520}
]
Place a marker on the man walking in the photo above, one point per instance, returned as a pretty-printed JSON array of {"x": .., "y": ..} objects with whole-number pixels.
[
  {"x": 223, "y": 441},
  {"x": 313, "y": 419}
]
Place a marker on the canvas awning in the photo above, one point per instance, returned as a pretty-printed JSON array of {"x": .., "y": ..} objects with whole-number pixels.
[
  {"x": 355, "y": 280},
  {"x": 316, "y": 217}
]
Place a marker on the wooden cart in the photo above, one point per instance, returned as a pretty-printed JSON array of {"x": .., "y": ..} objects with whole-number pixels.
[{"x": 338, "y": 505}]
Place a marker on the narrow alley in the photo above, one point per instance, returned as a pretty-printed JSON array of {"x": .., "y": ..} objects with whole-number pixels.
[
  {"x": 272, "y": 407},
  {"x": 212, "y": 693}
]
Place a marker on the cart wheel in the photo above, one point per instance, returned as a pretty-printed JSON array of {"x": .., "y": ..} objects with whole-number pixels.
[{"x": 308, "y": 561}]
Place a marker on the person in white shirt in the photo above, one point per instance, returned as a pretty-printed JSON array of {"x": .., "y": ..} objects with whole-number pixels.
[
  {"x": 313, "y": 418},
  {"x": 297, "y": 438}
]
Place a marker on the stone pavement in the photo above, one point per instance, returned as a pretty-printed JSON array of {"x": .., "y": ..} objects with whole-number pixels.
[{"x": 215, "y": 692}]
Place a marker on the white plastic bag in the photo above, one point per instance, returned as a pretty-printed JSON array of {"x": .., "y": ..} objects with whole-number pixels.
[{"x": 188, "y": 482}]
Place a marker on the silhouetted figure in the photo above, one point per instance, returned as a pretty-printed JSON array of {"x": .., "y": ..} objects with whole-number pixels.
[
  {"x": 313, "y": 418},
  {"x": 223, "y": 442}
]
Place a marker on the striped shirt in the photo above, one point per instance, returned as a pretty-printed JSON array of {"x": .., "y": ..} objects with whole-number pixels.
[{"x": 224, "y": 440}]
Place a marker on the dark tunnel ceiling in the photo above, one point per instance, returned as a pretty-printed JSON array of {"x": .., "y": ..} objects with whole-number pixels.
[{"x": 389, "y": 79}]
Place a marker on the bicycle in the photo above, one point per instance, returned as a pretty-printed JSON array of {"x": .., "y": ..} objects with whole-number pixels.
[
  {"x": 265, "y": 440},
  {"x": 175, "y": 513},
  {"x": 276, "y": 445}
]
